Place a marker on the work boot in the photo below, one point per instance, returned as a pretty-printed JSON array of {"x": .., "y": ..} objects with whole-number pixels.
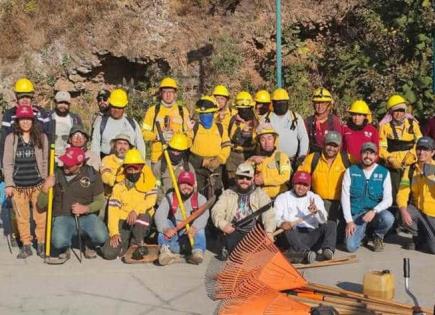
[
  {"x": 378, "y": 244},
  {"x": 40, "y": 250},
  {"x": 25, "y": 251},
  {"x": 196, "y": 258},
  {"x": 90, "y": 253},
  {"x": 310, "y": 257},
  {"x": 167, "y": 257},
  {"x": 139, "y": 253},
  {"x": 327, "y": 254},
  {"x": 294, "y": 256},
  {"x": 59, "y": 260}
]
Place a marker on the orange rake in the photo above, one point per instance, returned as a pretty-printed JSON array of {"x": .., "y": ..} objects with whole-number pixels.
[
  {"x": 256, "y": 263},
  {"x": 266, "y": 302}
]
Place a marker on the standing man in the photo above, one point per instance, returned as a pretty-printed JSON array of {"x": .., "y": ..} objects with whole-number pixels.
[
  {"x": 236, "y": 203},
  {"x": 64, "y": 120},
  {"x": 398, "y": 133},
  {"x": 430, "y": 128},
  {"x": 272, "y": 167},
  {"x": 416, "y": 197},
  {"x": 222, "y": 96},
  {"x": 131, "y": 206},
  {"x": 173, "y": 117},
  {"x": 365, "y": 198},
  {"x": 78, "y": 137},
  {"x": 289, "y": 125},
  {"x": 103, "y": 105},
  {"x": 241, "y": 131},
  {"x": 327, "y": 169},
  {"x": 301, "y": 214},
  {"x": 168, "y": 215},
  {"x": 109, "y": 126},
  {"x": 210, "y": 148},
  {"x": 323, "y": 120},
  {"x": 78, "y": 195},
  {"x": 358, "y": 130},
  {"x": 262, "y": 104}
]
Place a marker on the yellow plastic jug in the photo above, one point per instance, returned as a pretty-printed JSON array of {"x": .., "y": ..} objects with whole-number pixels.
[{"x": 379, "y": 284}]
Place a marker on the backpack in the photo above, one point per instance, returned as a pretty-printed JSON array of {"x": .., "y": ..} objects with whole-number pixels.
[
  {"x": 103, "y": 124},
  {"x": 180, "y": 112},
  {"x": 410, "y": 129},
  {"x": 316, "y": 158},
  {"x": 294, "y": 120}
]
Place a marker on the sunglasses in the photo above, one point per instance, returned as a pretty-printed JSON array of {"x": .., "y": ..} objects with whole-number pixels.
[
  {"x": 400, "y": 110},
  {"x": 102, "y": 98},
  {"x": 244, "y": 177}
]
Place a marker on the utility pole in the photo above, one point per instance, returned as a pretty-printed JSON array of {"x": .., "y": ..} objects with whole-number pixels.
[{"x": 278, "y": 44}]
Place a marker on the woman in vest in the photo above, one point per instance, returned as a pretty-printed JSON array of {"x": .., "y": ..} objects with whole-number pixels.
[{"x": 25, "y": 168}]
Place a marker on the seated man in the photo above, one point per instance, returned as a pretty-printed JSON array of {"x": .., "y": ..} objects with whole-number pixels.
[
  {"x": 169, "y": 214},
  {"x": 131, "y": 207},
  {"x": 366, "y": 196},
  {"x": 78, "y": 196},
  {"x": 302, "y": 215},
  {"x": 272, "y": 170},
  {"x": 418, "y": 182},
  {"x": 178, "y": 150},
  {"x": 238, "y": 202}
]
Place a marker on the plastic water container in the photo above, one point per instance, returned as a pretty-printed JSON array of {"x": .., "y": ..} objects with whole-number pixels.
[{"x": 379, "y": 284}]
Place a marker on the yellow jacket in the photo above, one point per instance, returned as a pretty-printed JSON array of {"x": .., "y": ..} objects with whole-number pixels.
[
  {"x": 224, "y": 116},
  {"x": 245, "y": 139},
  {"x": 276, "y": 171},
  {"x": 421, "y": 189},
  {"x": 209, "y": 143},
  {"x": 111, "y": 170},
  {"x": 140, "y": 198},
  {"x": 176, "y": 124},
  {"x": 386, "y": 134},
  {"x": 326, "y": 179}
]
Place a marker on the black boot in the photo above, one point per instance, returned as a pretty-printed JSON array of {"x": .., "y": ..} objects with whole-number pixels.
[{"x": 25, "y": 251}]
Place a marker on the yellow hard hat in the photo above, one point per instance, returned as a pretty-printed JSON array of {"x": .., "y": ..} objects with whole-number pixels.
[
  {"x": 133, "y": 156},
  {"x": 206, "y": 104},
  {"x": 24, "y": 85},
  {"x": 179, "y": 141},
  {"x": 262, "y": 96},
  {"x": 280, "y": 95},
  {"x": 118, "y": 98},
  {"x": 265, "y": 128},
  {"x": 221, "y": 90},
  {"x": 395, "y": 100},
  {"x": 168, "y": 82},
  {"x": 359, "y": 107},
  {"x": 244, "y": 99},
  {"x": 322, "y": 95}
]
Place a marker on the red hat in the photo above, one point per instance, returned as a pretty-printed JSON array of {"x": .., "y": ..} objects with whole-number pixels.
[
  {"x": 24, "y": 111},
  {"x": 186, "y": 178},
  {"x": 72, "y": 156},
  {"x": 302, "y": 178}
]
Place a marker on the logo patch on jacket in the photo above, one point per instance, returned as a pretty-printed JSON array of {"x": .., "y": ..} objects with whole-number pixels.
[{"x": 85, "y": 182}]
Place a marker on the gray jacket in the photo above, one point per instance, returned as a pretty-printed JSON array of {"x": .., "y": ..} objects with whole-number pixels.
[
  {"x": 41, "y": 155},
  {"x": 225, "y": 208}
]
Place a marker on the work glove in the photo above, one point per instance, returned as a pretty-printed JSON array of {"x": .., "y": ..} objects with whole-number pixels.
[
  {"x": 394, "y": 163},
  {"x": 408, "y": 159}
]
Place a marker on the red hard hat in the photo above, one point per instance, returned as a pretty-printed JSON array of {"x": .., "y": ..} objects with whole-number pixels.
[
  {"x": 24, "y": 111},
  {"x": 186, "y": 177},
  {"x": 302, "y": 178}
]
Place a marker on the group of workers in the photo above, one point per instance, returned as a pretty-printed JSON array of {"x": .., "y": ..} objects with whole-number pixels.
[{"x": 311, "y": 183}]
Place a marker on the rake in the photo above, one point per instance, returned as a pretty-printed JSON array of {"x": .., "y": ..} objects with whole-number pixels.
[{"x": 256, "y": 263}]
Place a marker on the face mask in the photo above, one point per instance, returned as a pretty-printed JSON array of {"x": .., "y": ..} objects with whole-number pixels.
[
  {"x": 133, "y": 177},
  {"x": 175, "y": 159},
  {"x": 263, "y": 110},
  {"x": 246, "y": 113},
  {"x": 206, "y": 120},
  {"x": 280, "y": 108}
]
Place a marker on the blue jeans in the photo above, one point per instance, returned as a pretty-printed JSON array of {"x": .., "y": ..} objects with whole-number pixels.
[
  {"x": 380, "y": 225},
  {"x": 64, "y": 229},
  {"x": 174, "y": 243}
]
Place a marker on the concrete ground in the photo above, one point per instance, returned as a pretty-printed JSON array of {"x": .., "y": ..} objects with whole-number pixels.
[{"x": 111, "y": 287}]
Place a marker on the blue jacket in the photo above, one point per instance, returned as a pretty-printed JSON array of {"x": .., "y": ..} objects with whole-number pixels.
[{"x": 365, "y": 194}]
